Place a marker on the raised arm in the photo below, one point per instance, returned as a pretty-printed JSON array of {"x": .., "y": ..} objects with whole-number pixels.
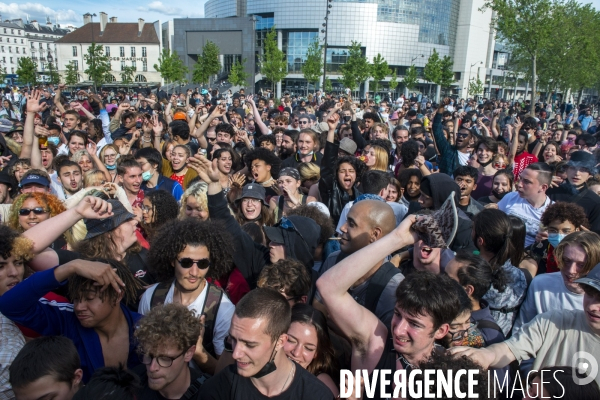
[
  {"x": 333, "y": 286},
  {"x": 258, "y": 122},
  {"x": 33, "y": 107},
  {"x": 58, "y": 99}
]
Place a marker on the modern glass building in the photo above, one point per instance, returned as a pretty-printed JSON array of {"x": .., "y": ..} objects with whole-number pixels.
[{"x": 404, "y": 32}]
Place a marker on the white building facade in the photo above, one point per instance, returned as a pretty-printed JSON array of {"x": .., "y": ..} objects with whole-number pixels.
[
  {"x": 127, "y": 44},
  {"x": 13, "y": 45}
]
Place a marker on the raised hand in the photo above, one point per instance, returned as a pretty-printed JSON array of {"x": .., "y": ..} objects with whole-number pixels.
[
  {"x": 91, "y": 207},
  {"x": 33, "y": 102},
  {"x": 237, "y": 180},
  {"x": 157, "y": 127},
  {"x": 102, "y": 274}
]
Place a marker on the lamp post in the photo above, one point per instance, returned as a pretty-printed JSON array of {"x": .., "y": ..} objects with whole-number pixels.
[
  {"x": 325, "y": 25},
  {"x": 92, "y": 54},
  {"x": 470, "y": 70}
]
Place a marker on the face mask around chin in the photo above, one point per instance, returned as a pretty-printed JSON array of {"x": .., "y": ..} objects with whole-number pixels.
[
  {"x": 54, "y": 140},
  {"x": 147, "y": 175}
]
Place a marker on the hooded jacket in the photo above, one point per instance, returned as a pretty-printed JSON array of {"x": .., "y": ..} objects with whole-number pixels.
[{"x": 439, "y": 187}]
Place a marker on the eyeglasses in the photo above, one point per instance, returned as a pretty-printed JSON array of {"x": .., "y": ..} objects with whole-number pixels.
[
  {"x": 211, "y": 139},
  {"x": 188, "y": 262},
  {"x": 458, "y": 335},
  {"x": 110, "y": 155},
  {"x": 146, "y": 208},
  {"x": 163, "y": 361},
  {"x": 249, "y": 200},
  {"x": 303, "y": 122},
  {"x": 462, "y": 135},
  {"x": 36, "y": 211}
]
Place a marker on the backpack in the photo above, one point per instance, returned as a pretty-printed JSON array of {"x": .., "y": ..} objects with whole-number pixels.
[{"x": 212, "y": 301}]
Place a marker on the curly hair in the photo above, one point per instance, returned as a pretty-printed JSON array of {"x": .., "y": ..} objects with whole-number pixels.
[
  {"x": 286, "y": 276},
  {"x": 79, "y": 287},
  {"x": 267, "y": 156},
  {"x": 168, "y": 324},
  {"x": 50, "y": 202},
  {"x": 13, "y": 244},
  {"x": 409, "y": 152},
  {"x": 198, "y": 191},
  {"x": 164, "y": 209},
  {"x": 312, "y": 212},
  {"x": 172, "y": 238},
  {"x": 359, "y": 166},
  {"x": 563, "y": 211}
]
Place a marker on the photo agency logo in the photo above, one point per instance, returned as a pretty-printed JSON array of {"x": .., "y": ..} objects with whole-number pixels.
[{"x": 585, "y": 367}]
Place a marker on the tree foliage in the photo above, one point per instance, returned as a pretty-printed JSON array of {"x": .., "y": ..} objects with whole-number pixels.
[
  {"x": 27, "y": 70},
  {"x": 393, "y": 82},
  {"x": 313, "y": 66},
  {"x": 356, "y": 70},
  {"x": 171, "y": 67},
  {"x": 238, "y": 75},
  {"x": 433, "y": 69},
  {"x": 71, "y": 74},
  {"x": 410, "y": 77},
  {"x": 475, "y": 87},
  {"x": 273, "y": 64},
  {"x": 327, "y": 86},
  {"x": 379, "y": 70},
  {"x": 446, "y": 73},
  {"x": 98, "y": 64},
  {"x": 208, "y": 64},
  {"x": 127, "y": 75},
  {"x": 52, "y": 73}
]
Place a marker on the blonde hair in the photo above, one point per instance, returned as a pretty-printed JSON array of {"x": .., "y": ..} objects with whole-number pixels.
[
  {"x": 309, "y": 171},
  {"x": 198, "y": 190},
  {"x": 381, "y": 157},
  {"x": 76, "y": 157},
  {"x": 589, "y": 241},
  {"x": 90, "y": 177}
]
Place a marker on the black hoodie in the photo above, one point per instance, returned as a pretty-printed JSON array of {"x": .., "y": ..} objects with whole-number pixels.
[{"x": 439, "y": 187}]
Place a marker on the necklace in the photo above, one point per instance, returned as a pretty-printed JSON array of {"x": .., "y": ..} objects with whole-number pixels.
[{"x": 288, "y": 377}]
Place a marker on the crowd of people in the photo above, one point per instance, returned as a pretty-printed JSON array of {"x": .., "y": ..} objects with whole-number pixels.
[{"x": 206, "y": 245}]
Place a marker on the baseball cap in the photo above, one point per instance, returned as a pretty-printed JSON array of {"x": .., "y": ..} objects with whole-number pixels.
[
  {"x": 179, "y": 116},
  {"x": 348, "y": 145},
  {"x": 321, "y": 127},
  {"x": 253, "y": 191},
  {"x": 592, "y": 278},
  {"x": 96, "y": 227},
  {"x": 583, "y": 159},
  {"x": 34, "y": 178},
  {"x": 111, "y": 107}
]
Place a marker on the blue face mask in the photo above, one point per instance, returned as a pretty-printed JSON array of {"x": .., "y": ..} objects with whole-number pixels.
[
  {"x": 555, "y": 238},
  {"x": 54, "y": 140},
  {"x": 147, "y": 175},
  {"x": 111, "y": 167}
]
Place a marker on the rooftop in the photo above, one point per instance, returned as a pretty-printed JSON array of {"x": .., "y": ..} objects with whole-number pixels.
[{"x": 115, "y": 32}]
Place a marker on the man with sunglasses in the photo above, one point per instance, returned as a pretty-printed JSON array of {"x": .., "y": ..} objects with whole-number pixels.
[
  {"x": 581, "y": 168},
  {"x": 451, "y": 156},
  {"x": 165, "y": 350},
  {"x": 183, "y": 255}
]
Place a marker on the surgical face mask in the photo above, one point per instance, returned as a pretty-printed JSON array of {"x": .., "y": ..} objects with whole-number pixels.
[
  {"x": 474, "y": 118},
  {"x": 54, "y": 140},
  {"x": 555, "y": 238},
  {"x": 111, "y": 167},
  {"x": 147, "y": 175}
]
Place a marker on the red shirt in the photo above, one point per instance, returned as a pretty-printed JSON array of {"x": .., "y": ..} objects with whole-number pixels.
[
  {"x": 234, "y": 285},
  {"x": 522, "y": 161}
]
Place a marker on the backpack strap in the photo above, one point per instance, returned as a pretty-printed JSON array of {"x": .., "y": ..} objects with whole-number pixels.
[
  {"x": 214, "y": 294},
  {"x": 485, "y": 324},
  {"x": 160, "y": 294},
  {"x": 377, "y": 283},
  {"x": 280, "y": 205},
  {"x": 194, "y": 388}
]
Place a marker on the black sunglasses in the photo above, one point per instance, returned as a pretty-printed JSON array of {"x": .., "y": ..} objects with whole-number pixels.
[
  {"x": 188, "y": 262},
  {"x": 36, "y": 211}
]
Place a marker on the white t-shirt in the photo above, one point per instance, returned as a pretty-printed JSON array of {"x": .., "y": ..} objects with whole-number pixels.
[
  {"x": 547, "y": 292},
  {"x": 463, "y": 158},
  {"x": 224, "y": 314},
  {"x": 513, "y": 204}
]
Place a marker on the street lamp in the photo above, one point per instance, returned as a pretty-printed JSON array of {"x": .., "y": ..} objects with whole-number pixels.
[
  {"x": 325, "y": 25},
  {"x": 470, "y": 70},
  {"x": 413, "y": 60},
  {"x": 92, "y": 55}
]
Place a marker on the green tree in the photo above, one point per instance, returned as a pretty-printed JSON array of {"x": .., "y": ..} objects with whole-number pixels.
[
  {"x": 2, "y": 74},
  {"x": 208, "y": 64},
  {"x": 171, "y": 67},
  {"x": 379, "y": 70},
  {"x": 526, "y": 26},
  {"x": 446, "y": 73},
  {"x": 313, "y": 66},
  {"x": 27, "y": 70},
  {"x": 357, "y": 69},
  {"x": 393, "y": 82},
  {"x": 410, "y": 77},
  {"x": 98, "y": 64},
  {"x": 327, "y": 86},
  {"x": 238, "y": 75},
  {"x": 127, "y": 75},
  {"x": 53, "y": 73},
  {"x": 433, "y": 69},
  {"x": 475, "y": 87},
  {"x": 273, "y": 64},
  {"x": 71, "y": 75}
]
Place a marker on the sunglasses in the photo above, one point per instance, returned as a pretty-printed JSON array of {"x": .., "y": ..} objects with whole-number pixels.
[
  {"x": 36, "y": 211},
  {"x": 188, "y": 262}
]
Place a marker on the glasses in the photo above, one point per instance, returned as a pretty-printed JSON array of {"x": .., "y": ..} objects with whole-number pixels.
[
  {"x": 163, "y": 361},
  {"x": 110, "y": 155},
  {"x": 188, "y": 262},
  {"x": 146, "y": 209},
  {"x": 462, "y": 135},
  {"x": 36, "y": 211},
  {"x": 458, "y": 335},
  {"x": 249, "y": 200},
  {"x": 303, "y": 122},
  {"x": 280, "y": 124},
  {"x": 211, "y": 139}
]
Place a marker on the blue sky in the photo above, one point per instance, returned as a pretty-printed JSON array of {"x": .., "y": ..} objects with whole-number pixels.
[{"x": 70, "y": 13}]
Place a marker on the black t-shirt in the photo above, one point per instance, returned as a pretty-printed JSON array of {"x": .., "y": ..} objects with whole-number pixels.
[
  {"x": 228, "y": 385},
  {"x": 146, "y": 393}
]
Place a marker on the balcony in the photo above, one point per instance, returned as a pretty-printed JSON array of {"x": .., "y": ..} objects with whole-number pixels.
[{"x": 34, "y": 58}]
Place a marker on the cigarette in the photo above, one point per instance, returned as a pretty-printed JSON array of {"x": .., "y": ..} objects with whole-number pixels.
[{"x": 335, "y": 238}]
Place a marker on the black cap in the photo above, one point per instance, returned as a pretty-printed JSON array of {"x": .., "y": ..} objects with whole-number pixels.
[
  {"x": 592, "y": 278},
  {"x": 253, "y": 191},
  {"x": 583, "y": 159},
  {"x": 96, "y": 227}
]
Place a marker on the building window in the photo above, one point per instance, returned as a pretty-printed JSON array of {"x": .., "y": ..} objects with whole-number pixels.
[
  {"x": 11, "y": 60},
  {"x": 4, "y": 30},
  {"x": 295, "y": 46},
  {"x": 122, "y": 65},
  {"x": 145, "y": 66},
  {"x": 22, "y": 41},
  {"x": 17, "y": 50},
  {"x": 19, "y": 32},
  {"x": 107, "y": 51},
  {"x": 24, "y": 52},
  {"x": 3, "y": 49},
  {"x": 32, "y": 45},
  {"x": 15, "y": 40},
  {"x": 122, "y": 51},
  {"x": 3, "y": 59},
  {"x": 144, "y": 52},
  {"x": 134, "y": 65},
  {"x": 76, "y": 65},
  {"x": 12, "y": 70},
  {"x": 74, "y": 51},
  {"x": 48, "y": 45},
  {"x": 140, "y": 78},
  {"x": 12, "y": 31},
  {"x": 133, "y": 52},
  {"x": 41, "y": 45},
  {"x": 9, "y": 49}
]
